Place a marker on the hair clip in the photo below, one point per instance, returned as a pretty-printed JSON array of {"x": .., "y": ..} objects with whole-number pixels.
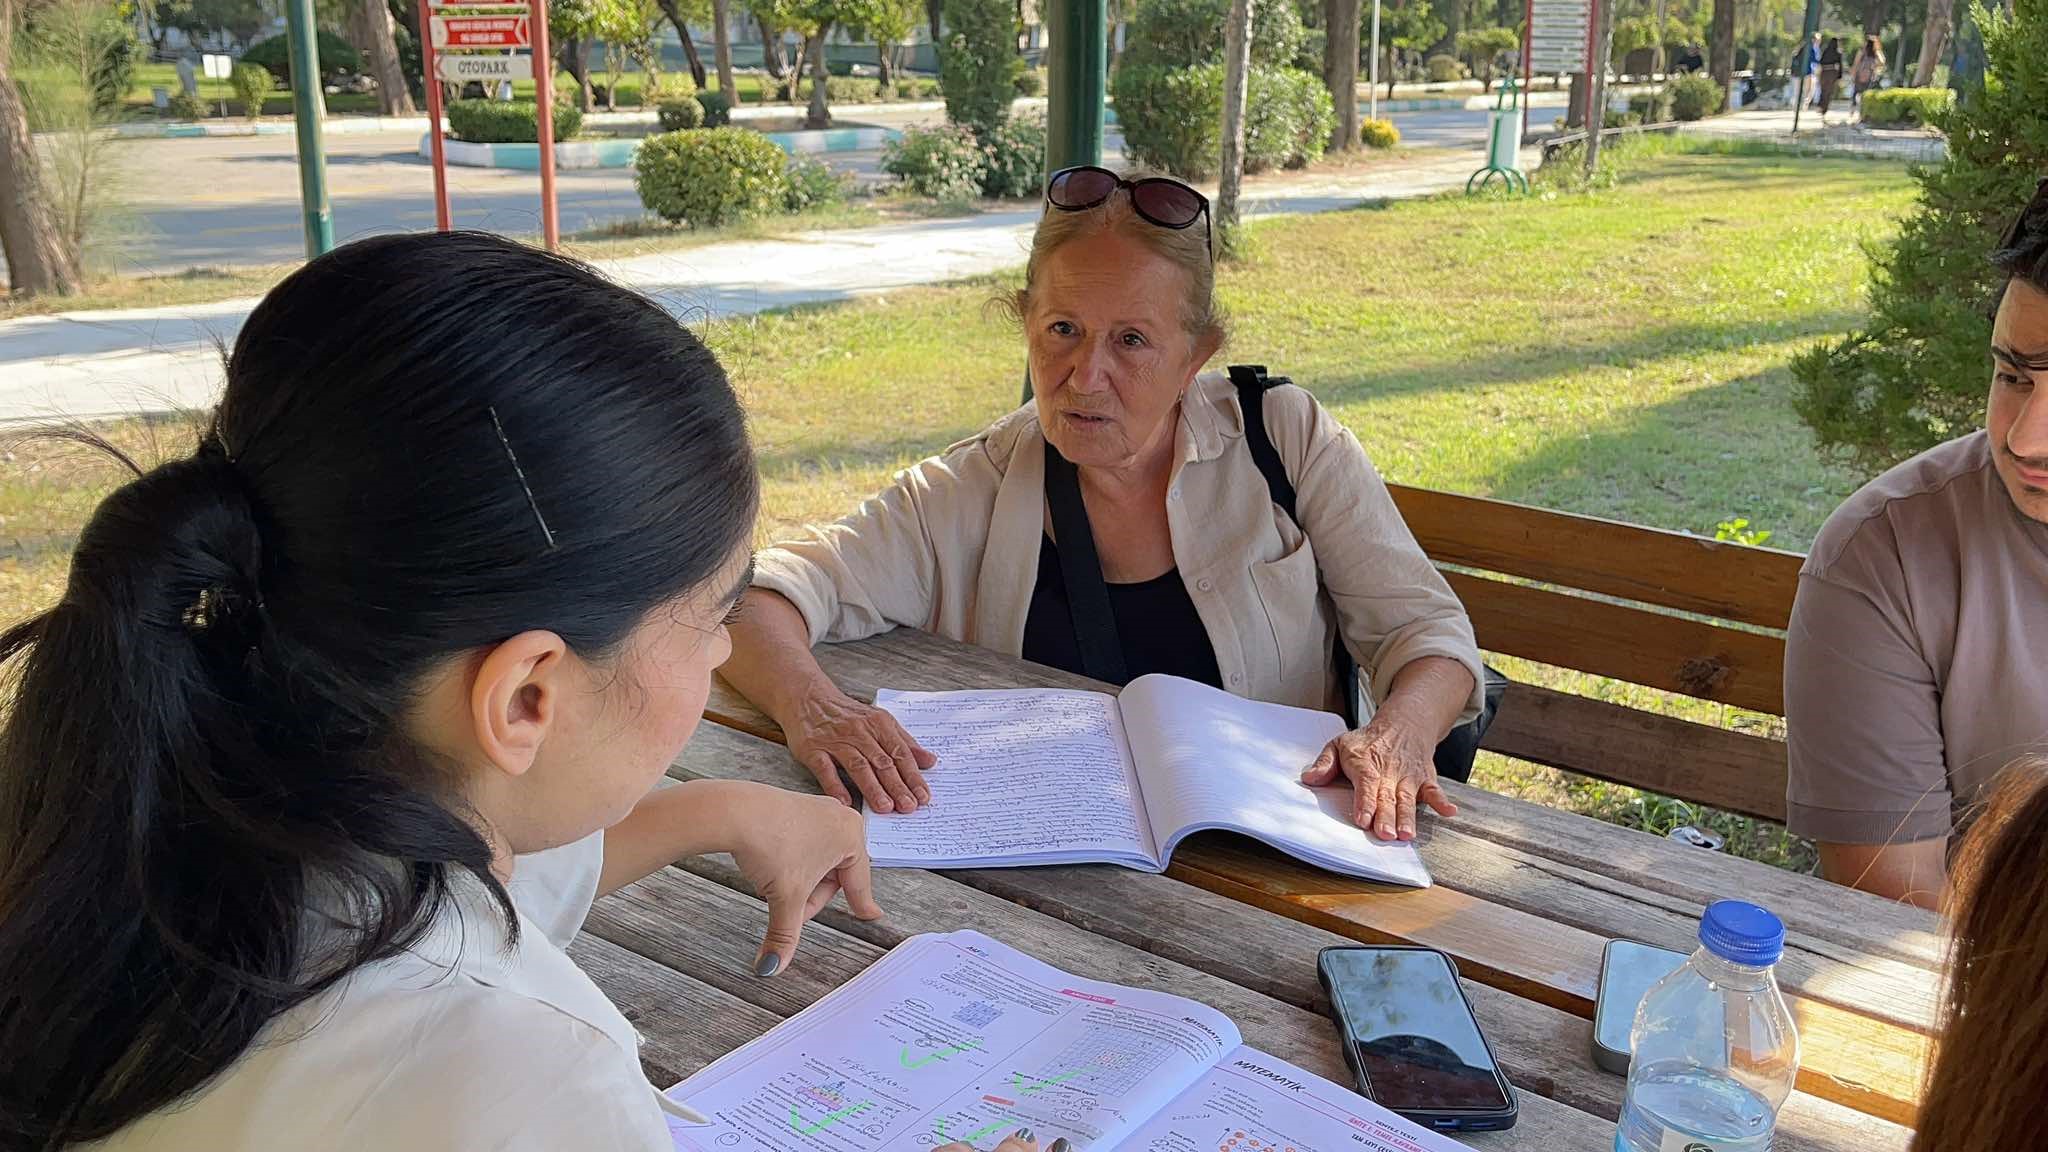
[{"x": 521, "y": 473}]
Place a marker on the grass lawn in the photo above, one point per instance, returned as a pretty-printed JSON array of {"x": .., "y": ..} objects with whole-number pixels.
[{"x": 1620, "y": 354}]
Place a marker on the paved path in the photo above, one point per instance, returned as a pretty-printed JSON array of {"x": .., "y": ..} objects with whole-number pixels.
[
  {"x": 1839, "y": 135},
  {"x": 92, "y": 364}
]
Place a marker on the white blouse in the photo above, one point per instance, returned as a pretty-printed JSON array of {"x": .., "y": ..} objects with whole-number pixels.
[{"x": 456, "y": 1044}]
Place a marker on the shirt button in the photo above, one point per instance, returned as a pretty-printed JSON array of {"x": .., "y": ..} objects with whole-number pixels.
[
  {"x": 1173, "y": 494},
  {"x": 1236, "y": 678},
  {"x": 1205, "y": 584}
]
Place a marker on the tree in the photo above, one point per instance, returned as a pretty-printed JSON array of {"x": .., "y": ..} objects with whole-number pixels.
[
  {"x": 721, "y": 47},
  {"x": 240, "y": 21},
  {"x": 978, "y": 63},
  {"x": 888, "y": 23},
  {"x": 1721, "y": 45},
  {"x": 1411, "y": 29},
  {"x": 1237, "y": 65},
  {"x": 681, "y": 14},
  {"x": 1915, "y": 375},
  {"x": 372, "y": 30},
  {"x": 574, "y": 25},
  {"x": 778, "y": 19},
  {"x": 1482, "y": 48},
  {"x": 1934, "y": 40},
  {"x": 627, "y": 28},
  {"x": 1340, "y": 68}
]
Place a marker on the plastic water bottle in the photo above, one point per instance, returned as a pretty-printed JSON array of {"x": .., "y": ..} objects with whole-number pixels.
[{"x": 1715, "y": 1049}]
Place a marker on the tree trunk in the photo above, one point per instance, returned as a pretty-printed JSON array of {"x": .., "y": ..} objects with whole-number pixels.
[
  {"x": 885, "y": 67},
  {"x": 1721, "y": 45},
  {"x": 1876, "y": 16},
  {"x": 675, "y": 17},
  {"x": 1934, "y": 40},
  {"x": 771, "y": 49},
  {"x": 575, "y": 60},
  {"x": 1657, "y": 46},
  {"x": 820, "y": 113},
  {"x": 38, "y": 259},
  {"x": 370, "y": 27},
  {"x": 1237, "y": 61},
  {"x": 1340, "y": 69},
  {"x": 1596, "y": 85},
  {"x": 721, "y": 48}
]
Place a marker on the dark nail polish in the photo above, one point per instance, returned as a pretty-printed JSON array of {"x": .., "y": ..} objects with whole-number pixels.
[
  {"x": 1023, "y": 1133},
  {"x": 769, "y": 965},
  {"x": 1061, "y": 1145}
]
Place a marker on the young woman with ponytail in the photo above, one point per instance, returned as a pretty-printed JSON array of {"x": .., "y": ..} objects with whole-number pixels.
[{"x": 343, "y": 720}]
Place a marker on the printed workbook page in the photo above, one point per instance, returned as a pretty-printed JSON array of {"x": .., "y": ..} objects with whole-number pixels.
[
  {"x": 956, "y": 1038},
  {"x": 1256, "y": 1102},
  {"x": 1025, "y": 776}
]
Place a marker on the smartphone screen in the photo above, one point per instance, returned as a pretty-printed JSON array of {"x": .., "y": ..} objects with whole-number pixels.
[
  {"x": 1629, "y": 972},
  {"x": 1411, "y": 1031}
]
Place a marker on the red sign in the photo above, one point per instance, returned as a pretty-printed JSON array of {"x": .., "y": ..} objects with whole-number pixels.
[{"x": 482, "y": 32}]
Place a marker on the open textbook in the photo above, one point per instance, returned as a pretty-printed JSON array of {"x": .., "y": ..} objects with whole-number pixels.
[
  {"x": 959, "y": 1038},
  {"x": 1053, "y": 776}
]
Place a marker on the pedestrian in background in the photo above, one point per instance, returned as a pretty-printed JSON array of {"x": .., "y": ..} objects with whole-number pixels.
[
  {"x": 1830, "y": 74},
  {"x": 1865, "y": 69}
]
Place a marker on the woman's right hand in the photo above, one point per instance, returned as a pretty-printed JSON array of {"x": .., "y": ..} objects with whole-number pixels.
[
  {"x": 834, "y": 731},
  {"x": 798, "y": 852},
  {"x": 1016, "y": 1142}
]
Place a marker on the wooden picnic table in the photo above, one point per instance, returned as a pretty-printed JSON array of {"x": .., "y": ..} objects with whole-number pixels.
[{"x": 1525, "y": 899}]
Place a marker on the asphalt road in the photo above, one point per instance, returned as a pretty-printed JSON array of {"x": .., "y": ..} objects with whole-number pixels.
[{"x": 235, "y": 200}]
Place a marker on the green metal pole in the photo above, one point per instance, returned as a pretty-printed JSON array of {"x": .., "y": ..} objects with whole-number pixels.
[
  {"x": 305, "y": 52},
  {"x": 1077, "y": 73},
  {"x": 1800, "y": 85}
]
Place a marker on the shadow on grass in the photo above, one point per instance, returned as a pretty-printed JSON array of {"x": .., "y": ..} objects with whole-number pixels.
[{"x": 1646, "y": 346}]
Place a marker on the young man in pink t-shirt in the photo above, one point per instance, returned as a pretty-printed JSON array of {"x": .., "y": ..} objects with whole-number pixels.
[{"x": 1916, "y": 666}]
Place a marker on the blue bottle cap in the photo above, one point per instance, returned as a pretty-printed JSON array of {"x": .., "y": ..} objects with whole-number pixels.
[{"x": 1742, "y": 933}]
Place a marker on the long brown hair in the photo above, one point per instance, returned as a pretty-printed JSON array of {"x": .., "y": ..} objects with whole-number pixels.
[{"x": 1990, "y": 1072}]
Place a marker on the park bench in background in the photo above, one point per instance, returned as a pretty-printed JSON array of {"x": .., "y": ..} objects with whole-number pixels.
[{"x": 1665, "y": 610}]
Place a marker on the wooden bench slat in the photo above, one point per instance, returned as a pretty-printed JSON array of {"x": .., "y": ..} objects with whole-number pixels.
[
  {"x": 1669, "y": 569},
  {"x": 1676, "y": 654},
  {"x": 1731, "y": 770}
]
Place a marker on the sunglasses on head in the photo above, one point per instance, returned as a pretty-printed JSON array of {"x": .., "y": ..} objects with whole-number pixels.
[
  {"x": 1158, "y": 200},
  {"x": 2038, "y": 204}
]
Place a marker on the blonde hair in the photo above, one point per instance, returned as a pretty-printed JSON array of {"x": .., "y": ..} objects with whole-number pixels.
[{"x": 1185, "y": 248}]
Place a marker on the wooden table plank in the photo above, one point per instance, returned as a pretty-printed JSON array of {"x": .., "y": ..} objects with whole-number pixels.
[
  {"x": 684, "y": 1024},
  {"x": 1874, "y": 1065},
  {"x": 1546, "y": 1051}
]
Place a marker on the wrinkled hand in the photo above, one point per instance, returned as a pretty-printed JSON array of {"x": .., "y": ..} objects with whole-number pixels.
[
  {"x": 1390, "y": 763},
  {"x": 1016, "y": 1142},
  {"x": 835, "y": 731},
  {"x": 798, "y": 852}
]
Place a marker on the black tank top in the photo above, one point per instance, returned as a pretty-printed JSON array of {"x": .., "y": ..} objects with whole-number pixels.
[{"x": 1156, "y": 624}]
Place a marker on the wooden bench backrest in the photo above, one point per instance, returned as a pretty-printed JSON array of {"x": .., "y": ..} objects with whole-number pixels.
[{"x": 1662, "y": 609}]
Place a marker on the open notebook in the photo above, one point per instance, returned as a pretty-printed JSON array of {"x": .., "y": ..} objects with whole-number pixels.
[
  {"x": 1054, "y": 776},
  {"x": 957, "y": 1037}
]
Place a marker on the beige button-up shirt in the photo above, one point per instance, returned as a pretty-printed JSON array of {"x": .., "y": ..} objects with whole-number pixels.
[{"x": 951, "y": 546}]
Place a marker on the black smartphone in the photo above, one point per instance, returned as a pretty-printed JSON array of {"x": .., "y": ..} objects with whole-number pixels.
[
  {"x": 1411, "y": 1039},
  {"x": 1628, "y": 971}
]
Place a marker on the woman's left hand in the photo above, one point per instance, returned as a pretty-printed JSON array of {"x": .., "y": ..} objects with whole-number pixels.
[{"x": 1391, "y": 764}]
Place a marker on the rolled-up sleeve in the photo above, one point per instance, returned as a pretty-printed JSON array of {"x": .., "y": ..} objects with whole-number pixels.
[
  {"x": 1862, "y": 721},
  {"x": 880, "y": 566},
  {"x": 1392, "y": 604}
]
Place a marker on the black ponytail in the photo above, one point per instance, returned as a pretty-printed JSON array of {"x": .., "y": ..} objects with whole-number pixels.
[{"x": 212, "y": 716}]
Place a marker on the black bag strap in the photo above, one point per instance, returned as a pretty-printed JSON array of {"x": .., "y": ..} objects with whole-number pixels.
[
  {"x": 1095, "y": 635},
  {"x": 1252, "y": 382}
]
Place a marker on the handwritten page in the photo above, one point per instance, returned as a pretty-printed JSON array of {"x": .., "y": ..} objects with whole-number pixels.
[
  {"x": 955, "y": 1038},
  {"x": 1254, "y": 1102},
  {"x": 1208, "y": 759},
  {"x": 1037, "y": 776}
]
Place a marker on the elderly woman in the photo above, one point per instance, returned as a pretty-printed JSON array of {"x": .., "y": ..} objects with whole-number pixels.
[{"x": 1130, "y": 473}]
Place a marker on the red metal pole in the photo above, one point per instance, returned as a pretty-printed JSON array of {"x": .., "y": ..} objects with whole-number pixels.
[
  {"x": 432, "y": 83},
  {"x": 544, "y": 97},
  {"x": 1596, "y": 118}
]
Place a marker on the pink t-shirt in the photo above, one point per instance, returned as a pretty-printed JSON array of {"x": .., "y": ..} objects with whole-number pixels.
[{"x": 1916, "y": 667}]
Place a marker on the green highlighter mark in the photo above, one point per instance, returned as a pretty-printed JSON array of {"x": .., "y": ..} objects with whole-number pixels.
[
  {"x": 803, "y": 1128},
  {"x": 903, "y": 1056},
  {"x": 1042, "y": 1085}
]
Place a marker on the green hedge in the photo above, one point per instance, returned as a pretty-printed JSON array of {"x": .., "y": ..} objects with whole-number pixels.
[
  {"x": 711, "y": 176},
  {"x": 275, "y": 55},
  {"x": 1905, "y": 107},
  {"x": 943, "y": 162},
  {"x": 680, "y": 115},
  {"x": 810, "y": 184},
  {"x": 1694, "y": 96},
  {"x": 717, "y": 108},
  {"x": 513, "y": 122},
  {"x": 1172, "y": 118},
  {"x": 1445, "y": 69},
  {"x": 1013, "y": 158}
]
